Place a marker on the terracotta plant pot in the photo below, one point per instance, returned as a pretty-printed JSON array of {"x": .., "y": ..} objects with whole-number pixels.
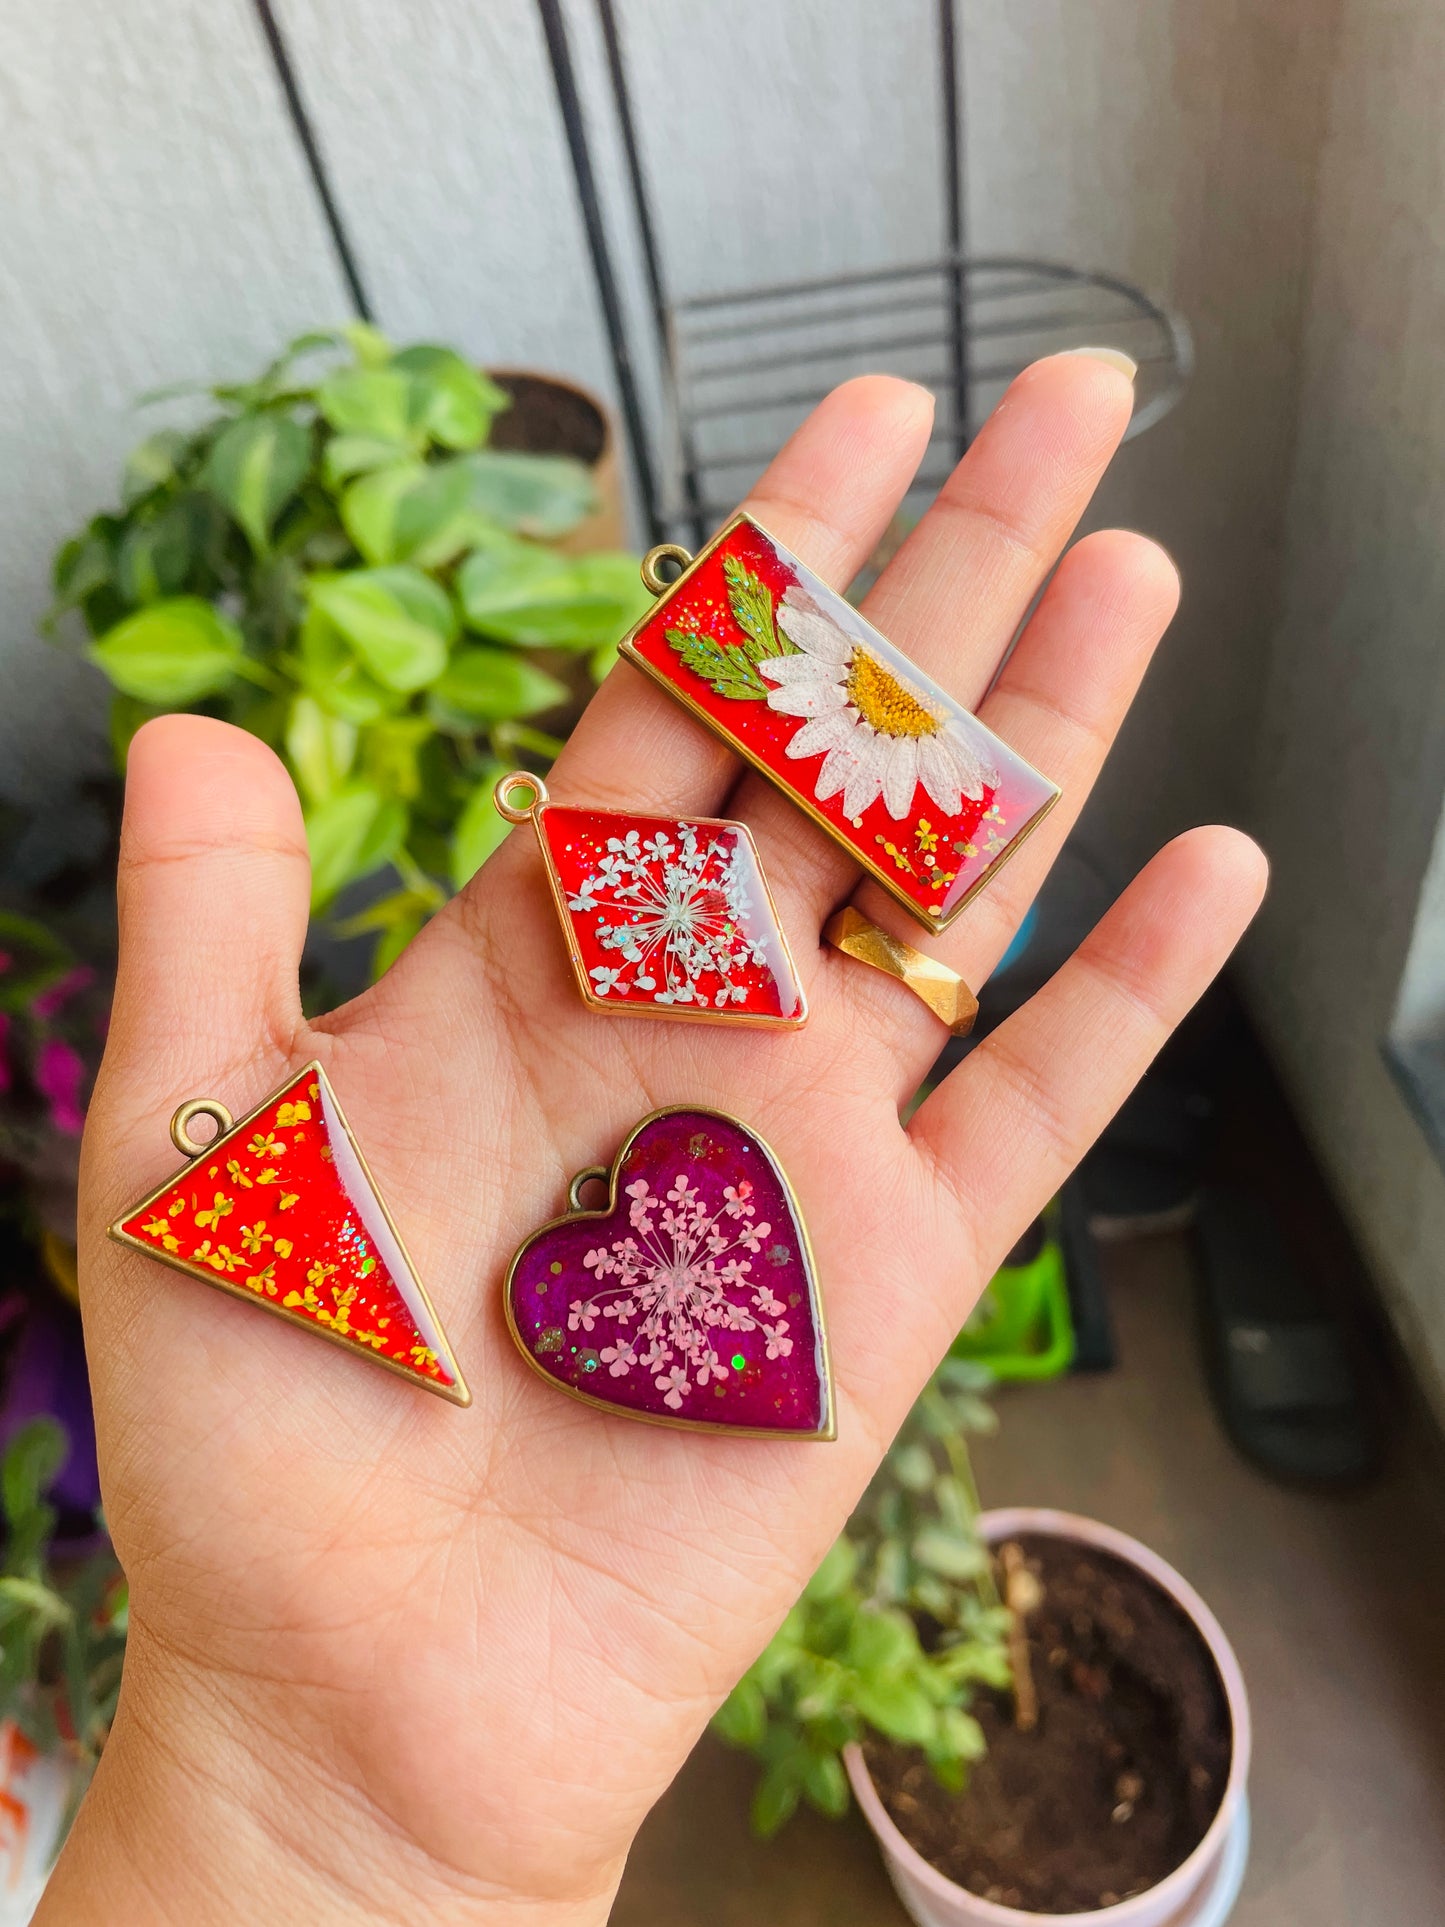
[
  {"x": 1201, "y": 1891},
  {"x": 550, "y": 416}
]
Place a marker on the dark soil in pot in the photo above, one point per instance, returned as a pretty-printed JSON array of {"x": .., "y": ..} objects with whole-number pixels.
[
  {"x": 548, "y": 418},
  {"x": 1124, "y": 1771}
]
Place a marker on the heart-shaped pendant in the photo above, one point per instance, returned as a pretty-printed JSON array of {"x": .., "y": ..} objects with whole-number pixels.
[{"x": 690, "y": 1298}]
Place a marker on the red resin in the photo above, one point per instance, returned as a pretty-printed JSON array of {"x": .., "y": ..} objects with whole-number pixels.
[
  {"x": 279, "y": 1211},
  {"x": 932, "y": 859},
  {"x": 669, "y": 915}
]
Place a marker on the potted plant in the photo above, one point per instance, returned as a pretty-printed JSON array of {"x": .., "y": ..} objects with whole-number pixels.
[
  {"x": 339, "y": 559},
  {"x": 1039, "y": 1718}
]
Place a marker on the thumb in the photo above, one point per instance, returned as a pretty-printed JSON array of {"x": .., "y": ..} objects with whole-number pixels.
[{"x": 213, "y": 891}]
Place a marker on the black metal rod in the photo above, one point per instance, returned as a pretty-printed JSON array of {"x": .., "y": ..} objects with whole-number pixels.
[
  {"x": 652, "y": 263},
  {"x": 1036, "y": 283},
  {"x": 955, "y": 218},
  {"x": 1020, "y": 325},
  {"x": 559, "y": 54},
  {"x": 315, "y": 162}
]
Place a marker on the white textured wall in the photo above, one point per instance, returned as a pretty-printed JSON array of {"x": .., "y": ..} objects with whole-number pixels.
[
  {"x": 156, "y": 225},
  {"x": 1350, "y": 769}
]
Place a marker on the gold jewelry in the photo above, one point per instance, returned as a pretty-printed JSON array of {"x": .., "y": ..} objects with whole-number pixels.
[{"x": 942, "y": 989}]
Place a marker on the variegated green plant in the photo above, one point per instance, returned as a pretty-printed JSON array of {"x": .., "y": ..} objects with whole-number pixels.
[
  {"x": 336, "y": 560},
  {"x": 894, "y": 1632}
]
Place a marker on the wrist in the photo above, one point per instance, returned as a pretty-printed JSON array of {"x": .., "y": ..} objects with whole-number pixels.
[{"x": 199, "y": 1813}]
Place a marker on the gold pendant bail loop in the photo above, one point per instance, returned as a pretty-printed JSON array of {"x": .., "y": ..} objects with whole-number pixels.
[
  {"x": 506, "y": 789},
  {"x": 652, "y": 579},
  {"x": 188, "y": 1146},
  {"x": 594, "y": 1174}
]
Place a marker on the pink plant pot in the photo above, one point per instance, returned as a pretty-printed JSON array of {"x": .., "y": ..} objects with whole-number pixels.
[{"x": 1202, "y": 1890}]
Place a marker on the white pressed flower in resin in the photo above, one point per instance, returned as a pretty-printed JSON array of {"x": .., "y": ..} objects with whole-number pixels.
[{"x": 877, "y": 735}]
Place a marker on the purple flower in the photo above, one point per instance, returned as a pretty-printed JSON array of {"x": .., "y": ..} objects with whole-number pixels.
[
  {"x": 51, "y": 1002},
  {"x": 60, "y": 1073}
]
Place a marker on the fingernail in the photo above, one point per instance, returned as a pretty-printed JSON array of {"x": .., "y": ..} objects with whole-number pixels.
[{"x": 1112, "y": 358}]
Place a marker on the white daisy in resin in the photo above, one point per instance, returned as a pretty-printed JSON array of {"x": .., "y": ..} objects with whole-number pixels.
[{"x": 877, "y": 734}]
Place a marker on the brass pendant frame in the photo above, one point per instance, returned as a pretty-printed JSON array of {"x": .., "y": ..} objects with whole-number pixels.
[
  {"x": 456, "y": 1394},
  {"x": 598, "y": 1173},
  {"x": 611, "y": 1006},
  {"x": 795, "y": 795}
]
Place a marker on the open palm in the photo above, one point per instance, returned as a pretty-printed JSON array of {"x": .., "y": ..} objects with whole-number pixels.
[{"x": 394, "y": 1659}]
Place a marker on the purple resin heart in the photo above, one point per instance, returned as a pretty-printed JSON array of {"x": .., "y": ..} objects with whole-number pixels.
[{"x": 691, "y": 1298}]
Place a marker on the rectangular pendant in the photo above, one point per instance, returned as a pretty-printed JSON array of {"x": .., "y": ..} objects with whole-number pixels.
[{"x": 915, "y": 787}]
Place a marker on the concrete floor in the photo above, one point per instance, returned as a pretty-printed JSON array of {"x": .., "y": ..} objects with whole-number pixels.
[{"x": 1335, "y": 1606}]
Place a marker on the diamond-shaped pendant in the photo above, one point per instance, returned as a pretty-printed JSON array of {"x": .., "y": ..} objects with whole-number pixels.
[
  {"x": 919, "y": 792},
  {"x": 281, "y": 1211},
  {"x": 663, "y": 916}
]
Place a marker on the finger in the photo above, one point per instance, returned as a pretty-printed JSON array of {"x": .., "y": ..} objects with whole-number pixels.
[
  {"x": 1008, "y": 1125},
  {"x": 831, "y": 493},
  {"x": 213, "y": 883},
  {"x": 1059, "y": 701},
  {"x": 953, "y": 597}
]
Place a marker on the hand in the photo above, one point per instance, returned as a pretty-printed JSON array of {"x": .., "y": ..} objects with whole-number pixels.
[{"x": 394, "y": 1660}]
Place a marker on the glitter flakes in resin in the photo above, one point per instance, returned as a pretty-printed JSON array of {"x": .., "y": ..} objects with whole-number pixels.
[
  {"x": 690, "y": 1299},
  {"x": 281, "y": 1211}
]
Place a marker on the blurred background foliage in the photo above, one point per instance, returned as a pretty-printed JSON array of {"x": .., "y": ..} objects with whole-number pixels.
[{"x": 334, "y": 558}]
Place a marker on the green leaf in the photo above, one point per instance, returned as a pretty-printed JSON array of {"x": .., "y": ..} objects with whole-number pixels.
[
  {"x": 367, "y": 343},
  {"x": 898, "y": 1708},
  {"x": 835, "y": 1574},
  {"x": 399, "y": 622},
  {"x": 152, "y": 464},
  {"x": 348, "y": 455},
  {"x": 456, "y": 401},
  {"x": 254, "y": 468},
  {"x": 331, "y": 673},
  {"x": 391, "y": 752},
  {"x": 913, "y": 1467},
  {"x": 532, "y": 597},
  {"x": 742, "y": 1719},
  {"x": 379, "y": 403},
  {"x": 950, "y": 1554},
  {"x": 961, "y": 1734},
  {"x": 479, "y": 830},
  {"x": 172, "y": 653},
  {"x": 35, "y": 1598},
  {"x": 394, "y": 939},
  {"x": 31, "y": 1460},
  {"x": 492, "y": 685},
  {"x": 601, "y": 662},
  {"x": 881, "y": 1641},
  {"x": 82, "y": 566},
  {"x": 349, "y": 835},
  {"x": 321, "y": 748},
  {"x": 729, "y": 671},
  {"x": 776, "y": 1798},
  {"x": 752, "y": 605},
  {"x": 537, "y": 495},
  {"x": 155, "y": 556},
  {"x": 826, "y": 1784},
  {"x": 411, "y": 513}
]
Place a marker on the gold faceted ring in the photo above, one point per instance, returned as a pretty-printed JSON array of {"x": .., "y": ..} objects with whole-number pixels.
[{"x": 942, "y": 989}]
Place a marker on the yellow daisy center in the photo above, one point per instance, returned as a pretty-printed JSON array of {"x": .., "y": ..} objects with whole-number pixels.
[{"x": 882, "y": 700}]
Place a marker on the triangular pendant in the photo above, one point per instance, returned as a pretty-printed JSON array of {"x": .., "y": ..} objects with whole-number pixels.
[
  {"x": 663, "y": 916},
  {"x": 280, "y": 1210}
]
